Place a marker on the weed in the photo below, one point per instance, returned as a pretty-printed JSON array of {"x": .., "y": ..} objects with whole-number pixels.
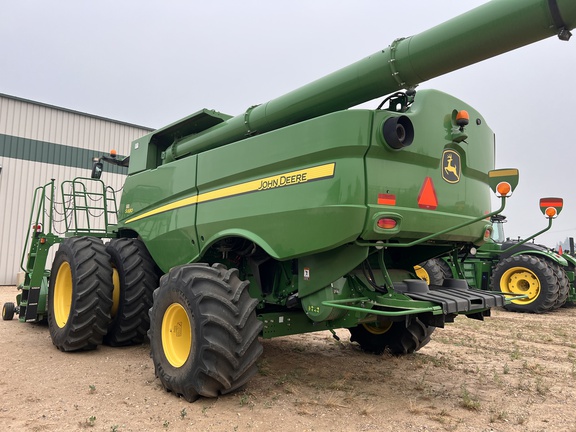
[
  {"x": 114, "y": 428},
  {"x": 183, "y": 413},
  {"x": 91, "y": 388},
  {"x": 541, "y": 387},
  {"x": 245, "y": 400},
  {"x": 497, "y": 378},
  {"x": 515, "y": 354},
  {"x": 367, "y": 410},
  {"x": 89, "y": 422},
  {"x": 263, "y": 368},
  {"x": 499, "y": 416},
  {"x": 469, "y": 401},
  {"x": 506, "y": 369},
  {"x": 166, "y": 424}
]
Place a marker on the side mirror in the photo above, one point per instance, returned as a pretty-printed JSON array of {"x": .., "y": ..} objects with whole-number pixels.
[{"x": 97, "y": 169}]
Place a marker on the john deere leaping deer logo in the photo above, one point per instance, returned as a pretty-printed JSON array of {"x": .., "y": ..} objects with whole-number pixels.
[{"x": 451, "y": 166}]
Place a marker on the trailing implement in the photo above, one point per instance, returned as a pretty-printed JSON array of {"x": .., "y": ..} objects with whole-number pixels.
[{"x": 301, "y": 215}]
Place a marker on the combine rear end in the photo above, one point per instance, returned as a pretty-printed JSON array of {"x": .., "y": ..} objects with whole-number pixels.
[{"x": 300, "y": 214}]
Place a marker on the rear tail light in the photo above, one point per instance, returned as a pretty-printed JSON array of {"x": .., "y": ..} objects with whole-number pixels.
[{"x": 386, "y": 223}]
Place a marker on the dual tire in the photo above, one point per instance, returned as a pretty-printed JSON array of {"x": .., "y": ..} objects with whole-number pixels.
[
  {"x": 99, "y": 294},
  {"x": 544, "y": 283},
  {"x": 204, "y": 336}
]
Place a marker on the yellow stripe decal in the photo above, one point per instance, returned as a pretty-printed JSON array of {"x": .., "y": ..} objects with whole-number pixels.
[
  {"x": 503, "y": 172},
  {"x": 273, "y": 182}
]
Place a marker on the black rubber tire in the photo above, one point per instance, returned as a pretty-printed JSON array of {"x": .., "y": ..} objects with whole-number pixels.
[
  {"x": 400, "y": 338},
  {"x": 221, "y": 326},
  {"x": 80, "y": 294},
  {"x": 563, "y": 284},
  {"x": 569, "y": 303},
  {"x": 8, "y": 311},
  {"x": 135, "y": 279},
  {"x": 434, "y": 271},
  {"x": 527, "y": 274}
]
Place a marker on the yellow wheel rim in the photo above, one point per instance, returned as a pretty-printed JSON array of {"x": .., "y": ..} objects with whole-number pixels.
[
  {"x": 116, "y": 292},
  {"x": 378, "y": 328},
  {"x": 176, "y": 335},
  {"x": 63, "y": 295},
  {"x": 520, "y": 280},
  {"x": 422, "y": 274}
]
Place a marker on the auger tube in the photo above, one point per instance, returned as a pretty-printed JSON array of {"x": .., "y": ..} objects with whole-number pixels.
[{"x": 494, "y": 28}]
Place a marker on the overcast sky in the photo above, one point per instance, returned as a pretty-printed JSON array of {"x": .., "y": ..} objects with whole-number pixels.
[{"x": 151, "y": 63}]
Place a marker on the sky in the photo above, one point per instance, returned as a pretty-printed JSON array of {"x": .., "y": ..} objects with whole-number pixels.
[{"x": 151, "y": 63}]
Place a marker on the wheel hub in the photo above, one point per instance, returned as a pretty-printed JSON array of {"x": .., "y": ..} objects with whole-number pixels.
[
  {"x": 63, "y": 295},
  {"x": 176, "y": 335},
  {"x": 519, "y": 280}
]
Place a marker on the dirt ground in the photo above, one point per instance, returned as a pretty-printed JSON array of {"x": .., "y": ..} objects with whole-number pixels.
[{"x": 512, "y": 372}]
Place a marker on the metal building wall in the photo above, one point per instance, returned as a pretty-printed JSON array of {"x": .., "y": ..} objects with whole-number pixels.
[{"x": 39, "y": 142}]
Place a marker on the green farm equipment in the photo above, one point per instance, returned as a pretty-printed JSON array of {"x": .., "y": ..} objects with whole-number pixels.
[
  {"x": 513, "y": 266},
  {"x": 295, "y": 216}
]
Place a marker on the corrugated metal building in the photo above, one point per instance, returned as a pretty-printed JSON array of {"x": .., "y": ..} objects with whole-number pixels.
[{"x": 40, "y": 142}]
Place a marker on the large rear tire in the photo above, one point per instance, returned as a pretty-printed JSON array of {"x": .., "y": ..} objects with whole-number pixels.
[
  {"x": 530, "y": 275},
  {"x": 434, "y": 271},
  {"x": 204, "y": 331},
  {"x": 563, "y": 284},
  {"x": 396, "y": 337},
  {"x": 135, "y": 278},
  {"x": 80, "y": 294}
]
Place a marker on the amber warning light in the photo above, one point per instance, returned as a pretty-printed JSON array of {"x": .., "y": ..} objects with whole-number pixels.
[
  {"x": 551, "y": 207},
  {"x": 504, "y": 189},
  {"x": 462, "y": 118}
]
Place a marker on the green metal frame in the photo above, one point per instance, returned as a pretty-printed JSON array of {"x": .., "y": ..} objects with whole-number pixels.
[{"x": 78, "y": 203}]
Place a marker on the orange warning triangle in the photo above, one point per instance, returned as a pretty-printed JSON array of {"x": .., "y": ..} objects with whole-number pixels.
[{"x": 427, "y": 197}]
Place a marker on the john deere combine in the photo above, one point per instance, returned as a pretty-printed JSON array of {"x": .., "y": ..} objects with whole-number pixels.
[{"x": 297, "y": 215}]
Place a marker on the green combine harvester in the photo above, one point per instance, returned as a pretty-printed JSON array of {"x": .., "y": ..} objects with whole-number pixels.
[{"x": 298, "y": 215}]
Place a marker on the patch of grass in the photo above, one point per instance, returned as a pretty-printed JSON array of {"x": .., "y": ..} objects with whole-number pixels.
[
  {"x": 469, "y": 401},
  {"x": 263, "y": 368},
  {"x": 541, "y": 387},
  {"x": 367, "y": 410},
  {"x": 245, "y": 399},
  {"x": 499, "y": 416},
  {"x": 292, "y": 377},
  {"x": 89, "y": 422},
  {"x": 515, "y": 354}
]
